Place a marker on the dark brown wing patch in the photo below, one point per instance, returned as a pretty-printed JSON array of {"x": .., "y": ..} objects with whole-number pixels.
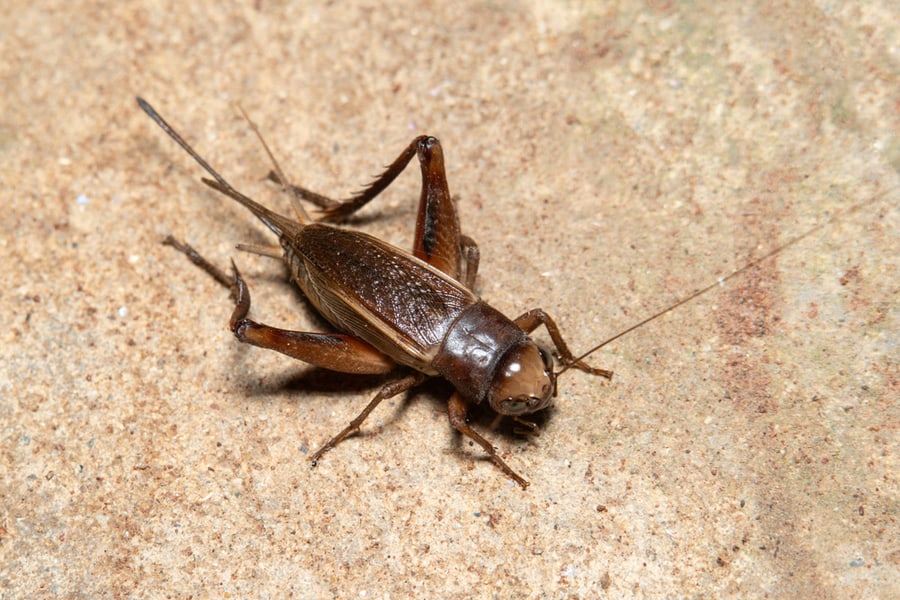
[{"x": 378, "y": 292}]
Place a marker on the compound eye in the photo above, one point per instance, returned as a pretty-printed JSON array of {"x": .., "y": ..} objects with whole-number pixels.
[{"x": 547, "y": 358}]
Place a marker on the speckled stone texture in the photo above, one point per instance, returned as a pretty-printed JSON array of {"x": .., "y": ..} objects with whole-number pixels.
[{"x": 608, "y": 158}]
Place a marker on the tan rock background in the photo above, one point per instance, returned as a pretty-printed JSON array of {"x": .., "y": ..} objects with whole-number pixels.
[{"x": 608, "y": 157}]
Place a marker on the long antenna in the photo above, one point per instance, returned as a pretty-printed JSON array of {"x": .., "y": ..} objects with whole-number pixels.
[{"x": 732, "y": 275}]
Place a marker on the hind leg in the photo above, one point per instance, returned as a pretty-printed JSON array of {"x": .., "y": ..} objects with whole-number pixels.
[{"x": 333, "y": 351}]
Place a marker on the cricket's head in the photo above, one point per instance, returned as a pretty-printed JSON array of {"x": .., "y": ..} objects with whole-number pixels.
[{"x": 524, "y": 381}]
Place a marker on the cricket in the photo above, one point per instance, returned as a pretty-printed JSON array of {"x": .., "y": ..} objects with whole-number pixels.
[{"x": 407, "y": 315}]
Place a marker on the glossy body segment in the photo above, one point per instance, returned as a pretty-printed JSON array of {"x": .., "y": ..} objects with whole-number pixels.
[{"x": 472, "y": 348}]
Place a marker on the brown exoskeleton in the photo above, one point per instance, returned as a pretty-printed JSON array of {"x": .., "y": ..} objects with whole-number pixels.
[{"x": 413, "y": 313}]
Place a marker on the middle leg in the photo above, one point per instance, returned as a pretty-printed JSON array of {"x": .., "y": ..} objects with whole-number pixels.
[{"x": 390, "y": 389}]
